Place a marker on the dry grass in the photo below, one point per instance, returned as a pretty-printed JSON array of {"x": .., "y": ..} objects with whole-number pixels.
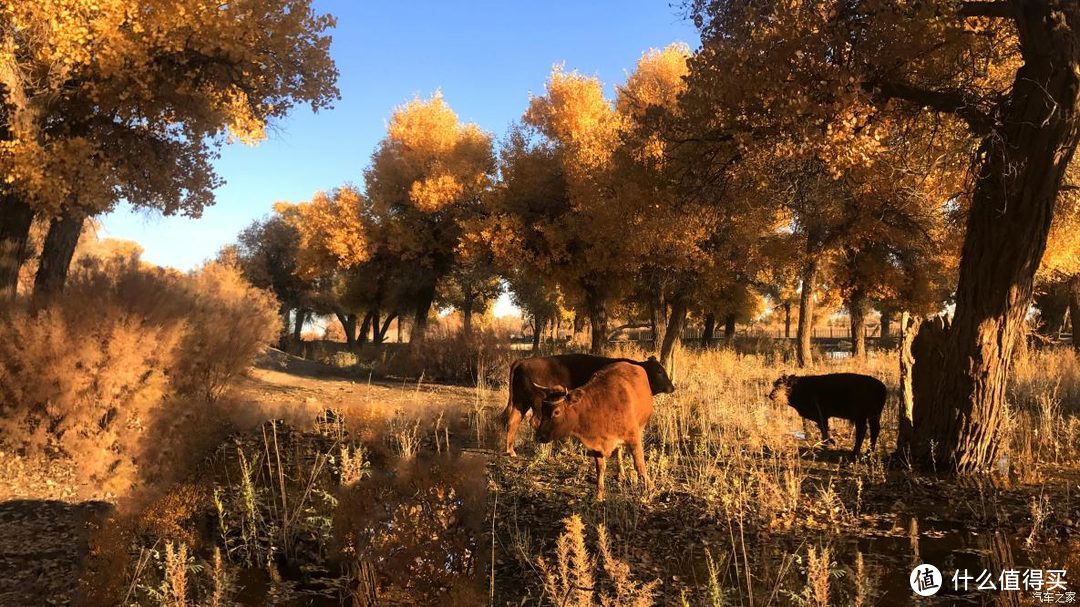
[{"x": 115, "y": 375}]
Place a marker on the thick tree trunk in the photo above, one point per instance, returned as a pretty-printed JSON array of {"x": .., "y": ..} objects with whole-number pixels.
[
  {"x": 804, "y": 352},
  {"x": 1023, "y": 162},
  {"x": 598, "y": 322},
  {"x": 857, "y": 307},
  {"x": 283, "y": 339},
  {"x": 909, "y": 328},
  {"x": 298, "y": 324},
  {"x": 729, "y": 327},
  {"x": 658, "y": 319},
  {"x": 421, "y": 312},
  {"x": 16, "y": 216},
  {"x": 709, "y": 330},
  {"x": 348, "y": 325},
  {"x": 365, "y": 327},
  {"x": 787, "y": 320},
  {"x": 466, "y": 317},
  {"x": 538, "y": 321},
  {"x": 673, "y": 334},
  {"x": 1074, "y": 311},
  {"x": 886, "y": 324},
  {"x": 57, "y": 252}
]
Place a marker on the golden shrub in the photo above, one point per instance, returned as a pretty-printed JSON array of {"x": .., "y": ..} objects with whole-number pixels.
[{"x": 88, "y": 375}]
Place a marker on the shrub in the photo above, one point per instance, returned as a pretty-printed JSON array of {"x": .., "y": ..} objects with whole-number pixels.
[
  {"x": 484, "y": 358},
  {"x": 89, "y": 375}
]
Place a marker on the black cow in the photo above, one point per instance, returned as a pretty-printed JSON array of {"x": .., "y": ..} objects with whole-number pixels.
[{"x": 850, "y": 396}]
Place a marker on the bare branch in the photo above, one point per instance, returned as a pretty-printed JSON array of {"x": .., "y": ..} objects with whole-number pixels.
[{"x": 948, "y": 102}]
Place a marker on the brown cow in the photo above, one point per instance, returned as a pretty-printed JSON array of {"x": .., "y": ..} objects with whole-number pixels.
[
  {"x": 568, "y": 370},
  {"x": 609, "y": 411}
]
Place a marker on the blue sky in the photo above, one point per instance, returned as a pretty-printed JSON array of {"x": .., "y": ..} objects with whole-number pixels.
[{"x": 486, "y": 57}]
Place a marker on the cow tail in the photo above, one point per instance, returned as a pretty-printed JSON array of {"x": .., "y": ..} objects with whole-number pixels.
[{"x": 505, "y": 417}]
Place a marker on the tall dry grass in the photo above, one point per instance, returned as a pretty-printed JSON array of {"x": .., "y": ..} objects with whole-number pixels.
[{"x": 116, "y": 374}]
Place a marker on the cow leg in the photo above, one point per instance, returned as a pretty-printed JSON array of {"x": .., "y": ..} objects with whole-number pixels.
[
  {"x": 639, "y": 463},
  {"x": 619, "y": 471},
  {"x": 513, "y": 420},
  {"x": 601, "y": 466},
  {"x": 875, "y": 428},
  {"x": 823, "y": 425},
  {"x": 860, "y": 434}
]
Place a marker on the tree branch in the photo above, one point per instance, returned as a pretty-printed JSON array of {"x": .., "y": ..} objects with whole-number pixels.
[{"x": 947, "y": 102}]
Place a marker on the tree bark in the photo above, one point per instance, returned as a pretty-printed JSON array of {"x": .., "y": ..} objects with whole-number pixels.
[
  {"x": 804, "y": 352},
  {"x": 673, "y": 334},
  {"x": 538, "y": 321},
  {"x": 466, "y": 317},
  {"x": 1022, "y": 165},
  {"x": 57, "y": 252},
  {"x": 283, "y": 339},
  {"x": 886, "y": 324},
  {"x": 909, "y": 328},
  {"x": 298, "y": 324},
  {"x": 709, "y": 330},
  {"x": 729, "y": 326},
  {"x": 598, "y": 322},
  {"x": 16, "y": 216},
  {"x": 421, "y": 311},
  {"x": 348, "y": 325},
  {"x": 365, "y": 327},
  {"x": 1074, "y": 311},
  {"x": 787, "y": 320},
  {"x": 857, "y": 307},
  {"x": 658, "y": 319}
]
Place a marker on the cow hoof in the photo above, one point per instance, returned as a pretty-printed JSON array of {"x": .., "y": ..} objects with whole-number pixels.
[{"x": 510, "y": 453}]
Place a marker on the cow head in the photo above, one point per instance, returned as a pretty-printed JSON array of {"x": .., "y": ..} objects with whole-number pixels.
[
  {"x": 781, "y": 388},
  {"x": 658, "y": 377},
  {"x": 557, "y": 413}
]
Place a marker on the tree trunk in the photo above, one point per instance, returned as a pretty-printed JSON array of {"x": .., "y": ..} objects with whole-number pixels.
[
  {"x": 673, "y": 334},
  {"x": 1074, "y": 311},
  {"x": 658, "y": 319},
  {"x": 538, "y": 321},
  {"x": 466, "y": 314},
  {"x": 1022, "y": 165},
  {"x": 380, "y": 335},
  {"x": 283, "y": 339},
  {"x": 886, "y": 324},
  {"x": 57, "y": 252},
  {"x": 806, "y": 313},
  {"x": 598, "y": 322},
  {"x": 375, "y": 326},
  {"x": 709, "y": 330},
  {"x": 787, "y": 320},
  {"x": 365, "y": 327},
  {"x": 857, "y": 306},
  {"x": 729, "y": 326},
  {"x": 909, "y": 328},
  {"x": 421, "y": 312},
  {"x": 399, "y": 336},
  {"x": 16, "y": 216},
  {"x": 298, "y": 324},
  {"x": 348, "y": 325}
]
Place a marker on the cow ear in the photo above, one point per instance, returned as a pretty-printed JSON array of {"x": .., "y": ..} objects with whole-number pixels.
[{"x": 573, "y": 396}]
